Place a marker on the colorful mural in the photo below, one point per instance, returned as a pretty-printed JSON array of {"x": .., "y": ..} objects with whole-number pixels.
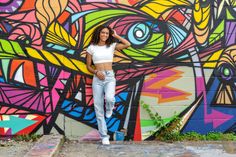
[{"x": 181, "y": 62}]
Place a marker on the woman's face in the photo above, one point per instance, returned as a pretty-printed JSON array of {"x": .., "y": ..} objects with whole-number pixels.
[{"x": 104, "y": 34}]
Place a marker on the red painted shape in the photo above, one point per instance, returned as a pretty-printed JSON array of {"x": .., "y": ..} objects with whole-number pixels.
[{"x": 137, "y": 132}]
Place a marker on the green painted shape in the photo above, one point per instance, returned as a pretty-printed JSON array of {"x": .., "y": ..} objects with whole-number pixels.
[
  {"x": 149, "y": 122},
  {"x": 6, "y": 46},
  {"x": 16, "y": 124},
  {"x": 5, "y": 65},
  {"x": 218, "y": 33},
  {"x": 151, "y": 50},
  {"x": 226, "y": 72},
  {"x": 6, "y": 56},
  {"x": 10, "y": 49},
  {"x": 97, "y": 17},
  {"x": 229, "y": 16},
  {"x": 18, "y": 48}
]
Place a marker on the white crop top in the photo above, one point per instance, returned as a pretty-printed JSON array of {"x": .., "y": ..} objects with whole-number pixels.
[{"x": 101, "y": 54}]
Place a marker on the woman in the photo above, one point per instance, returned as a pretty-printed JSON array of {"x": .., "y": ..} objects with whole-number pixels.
[{"x": 100, "y": 52}]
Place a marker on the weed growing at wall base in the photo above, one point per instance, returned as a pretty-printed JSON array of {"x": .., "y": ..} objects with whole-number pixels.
[
  {"x": 171, "y": 131},
  {"x": 32, "y": 137}
]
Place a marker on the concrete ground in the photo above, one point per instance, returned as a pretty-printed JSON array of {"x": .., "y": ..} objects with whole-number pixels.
[
  {"x": 11, "y": 148},
  {"x": 57, "y": 146},
  {"x": 74, "y": 148}
]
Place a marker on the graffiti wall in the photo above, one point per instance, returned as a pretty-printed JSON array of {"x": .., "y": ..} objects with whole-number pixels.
[{"x": 181, "y": 63}]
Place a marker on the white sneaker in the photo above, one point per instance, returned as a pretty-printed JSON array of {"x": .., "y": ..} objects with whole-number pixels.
[
  {"x": 108, "y": 113},
  {"x": 105, "y": 141}
]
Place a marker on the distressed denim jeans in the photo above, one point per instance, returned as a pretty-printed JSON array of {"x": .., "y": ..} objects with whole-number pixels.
[{"x": 103, "y": 88}]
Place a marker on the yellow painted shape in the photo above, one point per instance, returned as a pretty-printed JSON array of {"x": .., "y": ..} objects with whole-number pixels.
[
  {"x": 62, "y": 33},
  {"x": 5, "y": 117},
  {"x": 81, "y": 66},
  {"x": 215, "y": 57},
  {"x": 30, "y": 117},
  {"x": 50, "y": 57},
  {"x": 65, "y": 61},
  {"x": 6, "y": 129},
  {"x": 157, "y": 7},
  {"x": 34, "y": 53}
]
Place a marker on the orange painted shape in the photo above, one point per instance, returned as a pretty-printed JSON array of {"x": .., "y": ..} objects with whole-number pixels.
[
  {"x": 163, "y": 85},
  {"x": 28, "y": 71},
  {"x": 73, "y": 30},
  {"x": 28, "y": 5},
  {"x": 63, "y": 17},
  {"x": 179, "y": 17}
]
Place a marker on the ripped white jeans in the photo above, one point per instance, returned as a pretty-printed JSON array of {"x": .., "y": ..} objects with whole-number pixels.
[{"x": 101, "y": 87}]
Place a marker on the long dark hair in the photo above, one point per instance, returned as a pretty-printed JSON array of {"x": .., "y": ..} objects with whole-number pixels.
[{"x": 96, "y": 35}]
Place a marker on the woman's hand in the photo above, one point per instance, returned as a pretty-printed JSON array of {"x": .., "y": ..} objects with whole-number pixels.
[
  {"x": 114, "y": 34},
  {"x": 100, "y": 75}
]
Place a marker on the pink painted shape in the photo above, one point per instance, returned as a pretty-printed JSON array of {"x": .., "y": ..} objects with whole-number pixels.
[
  {"x": 91, "y": 136},
  {"x": 48, "y": 119},
  {"x": 12, "y": 110},
  {"x": 44, "y": 82},
  {"x": 4, "y": 1},
  {"x": 3, "y": 110},
  {"x": 58, "y": 86},
  {"x": 47, "y": 101},
  {"x": 168, "y": 93},
  {"x": 200, "y": 85},
  {"x": 216, "y": 118},
  {"x": 28, "y": 17},
  {"x": 41, "y": 68}
]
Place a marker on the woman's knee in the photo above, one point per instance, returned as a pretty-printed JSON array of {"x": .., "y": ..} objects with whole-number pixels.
[{"x": 110, "y": 99}]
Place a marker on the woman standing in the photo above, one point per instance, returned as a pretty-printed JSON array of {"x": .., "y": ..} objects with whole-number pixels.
[{"x": 100, "y": 52}]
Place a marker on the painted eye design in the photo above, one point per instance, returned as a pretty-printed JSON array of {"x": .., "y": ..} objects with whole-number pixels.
[
  {"x": 139, "y": 34},
  {"x": 226, "y": 72},
  {"x": 146, "y": 39},
  {"x": 226, "y": 67}
]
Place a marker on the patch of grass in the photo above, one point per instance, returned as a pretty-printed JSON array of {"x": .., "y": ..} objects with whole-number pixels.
[
  {"x": 193, "y": 136},
  {"x": 31, "y": 137}
]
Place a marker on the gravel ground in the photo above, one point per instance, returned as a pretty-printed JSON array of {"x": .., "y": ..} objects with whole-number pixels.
[
  {"x": 73, "y": 148},
  {"x": 12, "y": 148}
]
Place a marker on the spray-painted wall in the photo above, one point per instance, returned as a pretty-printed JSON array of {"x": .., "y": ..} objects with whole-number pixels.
[{"x": 181, "y": 62}]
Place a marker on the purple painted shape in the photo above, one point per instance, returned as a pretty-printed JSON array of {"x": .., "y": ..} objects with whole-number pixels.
[
  {"x": 53, "y": 70},
  {"x": 40, "y": 104},
  {"x": 18, "y": 98},
  {"x": 14, "y": 92},
  {"x": 29, "y": 99},
  {"x": 10, "y": 7},
  {"x": 67, "y": 26},
  {"x": 230, "y": 33},
  {"x": 27, "y": 102},
  {"x": 3, "y": 97}
]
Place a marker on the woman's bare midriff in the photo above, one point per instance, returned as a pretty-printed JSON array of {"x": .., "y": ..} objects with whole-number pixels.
[{"x": 103, "y": 66}]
